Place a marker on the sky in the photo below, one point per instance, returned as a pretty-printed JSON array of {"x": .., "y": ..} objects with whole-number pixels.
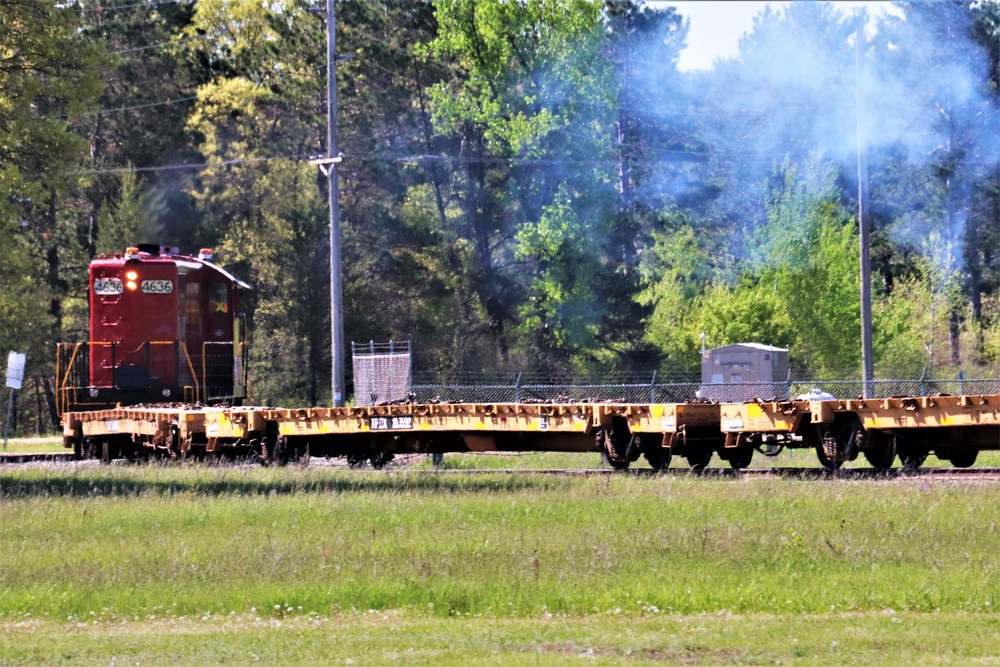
[{"x": 717, "y": 25}]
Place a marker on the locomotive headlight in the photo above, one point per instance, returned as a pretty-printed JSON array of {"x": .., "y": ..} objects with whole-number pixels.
[
  {"x": 131, "y": 285},
  {"x": 131, "y": 275}
]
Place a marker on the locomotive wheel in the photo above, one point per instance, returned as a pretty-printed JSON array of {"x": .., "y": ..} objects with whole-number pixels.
[
  {"x": 963, "y": 458},
  {"x": 699, "y": 459},
  {"x": 740, "y": 457},
  {"x": 825, "y": 461},
  {"x": 657, "y": 457},
  {"x": 882, "y": 452}
]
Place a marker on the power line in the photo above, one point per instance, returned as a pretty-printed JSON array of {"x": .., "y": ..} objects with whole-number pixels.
[
  {"x": 199, "y": 166},
  {"x": 720, "y": 159},
  {"x": 157, "y": 45},
  {"x": 115, "y": 8},
  {"x": 141, "y": 106}
]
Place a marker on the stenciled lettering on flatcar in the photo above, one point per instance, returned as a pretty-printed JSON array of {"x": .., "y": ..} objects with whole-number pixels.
[
  {"x": 391, "y": 423},
  {"x": 108, "y": 286},
  {"x": 157, "y": 287}
]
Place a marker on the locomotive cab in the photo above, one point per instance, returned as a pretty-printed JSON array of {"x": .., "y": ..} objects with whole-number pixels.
[{"x": 163, "y": 327}]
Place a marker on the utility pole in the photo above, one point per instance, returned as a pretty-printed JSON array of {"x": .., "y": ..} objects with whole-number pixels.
[
  {"x": 868, "y": 367},
  {"x": 332, "y": 159}
]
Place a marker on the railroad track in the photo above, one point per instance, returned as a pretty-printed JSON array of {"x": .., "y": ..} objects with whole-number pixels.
[
  {"x": 14, "y": 458},
  {"x": 728, "y": 473},
  {"x": 973, "y": 473}
]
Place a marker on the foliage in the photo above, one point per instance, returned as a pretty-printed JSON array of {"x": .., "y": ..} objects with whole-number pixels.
[{"x": 524, "y": 186}]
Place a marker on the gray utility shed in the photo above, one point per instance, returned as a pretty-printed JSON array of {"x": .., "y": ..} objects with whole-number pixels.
[{"x": 744, "y": 371}]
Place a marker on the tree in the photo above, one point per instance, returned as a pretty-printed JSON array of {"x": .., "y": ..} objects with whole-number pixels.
[
  {"x": 49, "y": 77},
  {"x": 948, "y": 162},
  {"x": 556, "y": 192}
]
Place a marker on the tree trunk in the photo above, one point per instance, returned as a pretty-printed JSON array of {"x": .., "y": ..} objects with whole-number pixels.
[
  {"x": 50, "y": 400},
  {"x": 953, "y": 337}
]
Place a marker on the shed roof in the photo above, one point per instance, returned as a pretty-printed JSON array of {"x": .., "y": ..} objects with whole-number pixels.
[{"x": 753, "y": 346}]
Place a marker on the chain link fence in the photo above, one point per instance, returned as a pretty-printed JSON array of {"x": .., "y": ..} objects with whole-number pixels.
[
  {"x": 525, "y": 389},
  {"x": 382, "y": 372}
]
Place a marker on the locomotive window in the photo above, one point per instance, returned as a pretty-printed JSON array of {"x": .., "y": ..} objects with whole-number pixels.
[{"x": 218, "y": 299}]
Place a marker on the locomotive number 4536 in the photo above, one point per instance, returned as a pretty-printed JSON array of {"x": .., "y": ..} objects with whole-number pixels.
[{"x": 157, "y": 286}]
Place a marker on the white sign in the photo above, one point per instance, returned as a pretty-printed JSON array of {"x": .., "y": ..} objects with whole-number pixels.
[
  {"x": 157, "y": 287},
  {"x": 108, "y": 286},
  {"x": 15, "y": 370}
]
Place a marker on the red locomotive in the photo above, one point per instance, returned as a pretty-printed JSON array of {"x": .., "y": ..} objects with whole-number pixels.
[{"x": 164, "y": 327}]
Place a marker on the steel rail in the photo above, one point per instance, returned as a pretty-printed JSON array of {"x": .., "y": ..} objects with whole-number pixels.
[{"x": 816, "y": 473}]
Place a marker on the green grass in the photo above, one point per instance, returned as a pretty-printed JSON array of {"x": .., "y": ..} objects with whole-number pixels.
[
  {"x": 34, "y": 445},
  {"x": 799, "y": 458},
  {"x": 500, "y": 568},
  {"x": 379, "y": 638}
]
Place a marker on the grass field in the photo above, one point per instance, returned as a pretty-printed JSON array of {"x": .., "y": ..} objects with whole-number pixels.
[
  {"x": 799, "y": 458},
  {"x": 201, "y": 565},
  {"x": 35, "y": 445}
]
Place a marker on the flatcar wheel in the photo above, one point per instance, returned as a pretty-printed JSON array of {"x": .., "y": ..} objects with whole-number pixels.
[
  {"x": 356, "y": 460},
  {"x": 699, "y": 459},
  {"x": 381, "y": 459},
  {"x": 616, "y": 463},
  {"x": 658, "y": 457},
  {"x": 259, "y": 453},
  {"x": 740, "y": 457},
  {"x": 825, "y": 461},
  {"x": 881, "y": 451},
  {"x": 963, "y": 458},
  {"x": 913, "y": 458},
  {"x": 614, "y": 447}
]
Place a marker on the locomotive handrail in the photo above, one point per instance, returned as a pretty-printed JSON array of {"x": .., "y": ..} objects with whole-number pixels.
[
  {"x": 67, "y": 395},
  {"x": 61, "y": 382}
]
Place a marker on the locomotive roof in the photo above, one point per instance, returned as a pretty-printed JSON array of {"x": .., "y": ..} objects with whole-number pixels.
[{"x": 179, "y": 260}]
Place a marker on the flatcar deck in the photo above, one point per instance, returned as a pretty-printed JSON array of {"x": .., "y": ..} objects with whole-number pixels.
[{"x": 953, "y": 427}]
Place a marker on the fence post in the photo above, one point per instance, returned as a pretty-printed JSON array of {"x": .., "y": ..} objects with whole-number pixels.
[
  {"x": 961, "y": 382},
  {"x": 517, "y": 389},
  {"x": 652, "y": 389},
  {"x": 923, "y": 374}
]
